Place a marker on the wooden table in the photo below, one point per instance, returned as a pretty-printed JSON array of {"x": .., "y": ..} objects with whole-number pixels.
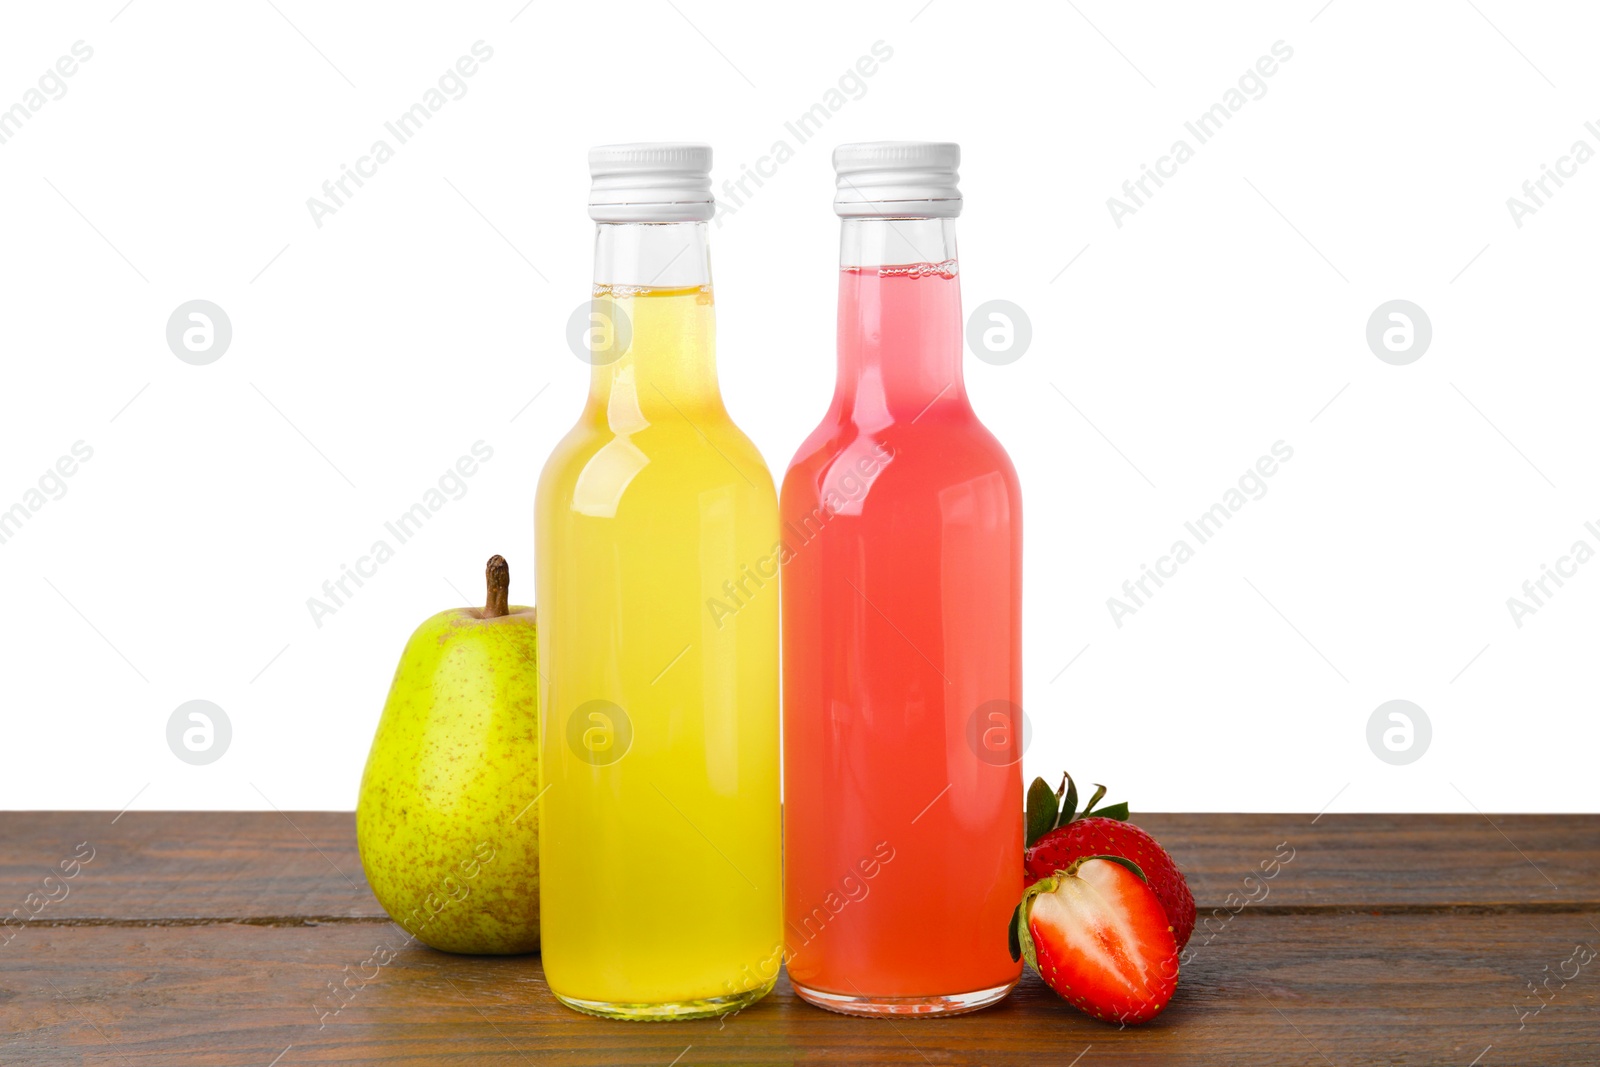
[{"x": 218, "y": 938}]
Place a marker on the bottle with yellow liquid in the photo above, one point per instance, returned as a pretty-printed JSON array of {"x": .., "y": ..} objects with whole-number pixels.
[{"x": 657, "y": 533}]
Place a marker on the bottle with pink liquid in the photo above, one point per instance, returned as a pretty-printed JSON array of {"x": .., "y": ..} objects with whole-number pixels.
[{"x": 902, "y": 583}]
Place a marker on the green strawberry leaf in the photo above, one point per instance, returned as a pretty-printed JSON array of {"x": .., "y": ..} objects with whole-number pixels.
[
  {"x": 1069, "y": 807},
  {"x": 1099, "y": 791},
  {"x": 1041, "y": 810},
  {"x": 1013, "y": 936},
  {"x": 1114, "y": 811}
]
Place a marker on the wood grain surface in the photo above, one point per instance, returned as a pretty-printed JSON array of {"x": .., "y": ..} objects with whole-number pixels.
[{"x": 219, "y": 938}]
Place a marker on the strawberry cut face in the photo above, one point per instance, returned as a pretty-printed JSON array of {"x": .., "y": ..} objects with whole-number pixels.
[
  {"x": 1099, "y": 937},
  {"x": 1095, "y": 836}
]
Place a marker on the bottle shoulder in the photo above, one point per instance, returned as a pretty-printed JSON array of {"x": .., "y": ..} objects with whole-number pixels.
[
  {"x": 922, "y": 457},
  {"x": 674, "y": 454}
]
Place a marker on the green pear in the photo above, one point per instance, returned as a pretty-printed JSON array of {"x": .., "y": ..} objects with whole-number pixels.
[{"x": 446, "y": 824}]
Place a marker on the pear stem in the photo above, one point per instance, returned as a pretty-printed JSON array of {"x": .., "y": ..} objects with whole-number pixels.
[{"x": 497, "y": 573}]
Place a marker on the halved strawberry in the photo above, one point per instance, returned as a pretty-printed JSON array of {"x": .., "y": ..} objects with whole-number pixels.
[
  {"x": 1101, "y": 833},
  {"x": 1098, "y": 936}
]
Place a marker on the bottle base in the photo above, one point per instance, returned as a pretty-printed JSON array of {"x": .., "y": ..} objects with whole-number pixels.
[
  {"x": 706, "y": 1008},
  {"x": 896, "y": 1007}
]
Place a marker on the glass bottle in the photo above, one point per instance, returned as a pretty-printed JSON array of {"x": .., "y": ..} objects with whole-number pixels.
[
  {"x": 661, "y": 883},
  {"x": 902, "y": 584}
]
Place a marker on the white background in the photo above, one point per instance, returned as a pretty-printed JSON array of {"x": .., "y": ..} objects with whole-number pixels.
[{"x": 1225, "y": 315}]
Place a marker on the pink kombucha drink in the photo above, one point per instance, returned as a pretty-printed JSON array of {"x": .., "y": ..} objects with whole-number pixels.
[{"x": 901, "y": 630}]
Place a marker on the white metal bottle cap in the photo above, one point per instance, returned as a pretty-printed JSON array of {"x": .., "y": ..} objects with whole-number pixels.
[
  {"x": 897, "y": 179},
  {"x": 651, "y": 182}
]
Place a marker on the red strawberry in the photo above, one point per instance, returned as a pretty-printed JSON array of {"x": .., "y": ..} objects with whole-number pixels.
[
  {"x": 1103, "y": 833},
  {"x": 1098, "y": 936}
]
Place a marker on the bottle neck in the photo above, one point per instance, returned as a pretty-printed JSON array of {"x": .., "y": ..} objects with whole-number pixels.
[
  {"x": 655, "y": 324},
  {"x": 900, "y": 337},
  {"x": 652, "y": 255}
]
